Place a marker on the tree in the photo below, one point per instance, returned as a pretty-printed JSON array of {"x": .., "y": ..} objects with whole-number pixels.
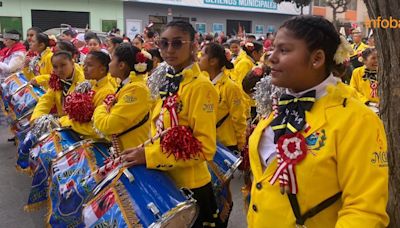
[
  {"x": 338, "y": 6},
  {"x": 299, "y": 3},
  {"x": 389, "y": 75}
]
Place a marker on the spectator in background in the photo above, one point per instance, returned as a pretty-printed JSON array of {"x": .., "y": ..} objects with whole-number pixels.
[
  {"x": 69, "y": 35},
  {"x": 268, "y": 41},
  {"x": 13, "y": 56},
  {"x": 251, "y": 38},
  {"x": 138, "y": 41}
]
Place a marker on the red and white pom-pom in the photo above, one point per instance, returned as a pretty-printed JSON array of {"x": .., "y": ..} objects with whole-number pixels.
[
  {"x": 79, "y": 106},
  {"x": 54, "y": 82},
  {"x": 258, "y": 72},
  {"x": 180, "y": 142}
]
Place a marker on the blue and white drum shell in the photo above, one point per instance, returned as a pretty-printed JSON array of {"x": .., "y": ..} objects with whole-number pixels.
[
  {"x": 226, "y": 162},
  {"x": 142, "y": 198}
]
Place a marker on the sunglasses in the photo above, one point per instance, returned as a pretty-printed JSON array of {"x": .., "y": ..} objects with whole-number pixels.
[{"x": 175, "y": 44}]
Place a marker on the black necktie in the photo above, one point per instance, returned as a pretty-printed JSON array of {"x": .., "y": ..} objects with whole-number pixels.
[
  {"x": 292, "y": 116},
  {"x": 370, "y": 75},
  {"x": 65, "y": 84},
  {"x": 171, "y": 84}
]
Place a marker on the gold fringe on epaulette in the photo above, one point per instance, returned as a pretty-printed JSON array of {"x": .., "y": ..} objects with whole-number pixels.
[
  {"x": 126, "y": 206},
  {"x": 27, "y": 171}
]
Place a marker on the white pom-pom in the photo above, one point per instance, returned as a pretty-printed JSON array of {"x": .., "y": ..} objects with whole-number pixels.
[{"x": 140, "y": 67}]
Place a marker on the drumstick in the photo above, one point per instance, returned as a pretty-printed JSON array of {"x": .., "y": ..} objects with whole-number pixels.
[{"x": 109, "y": 165}]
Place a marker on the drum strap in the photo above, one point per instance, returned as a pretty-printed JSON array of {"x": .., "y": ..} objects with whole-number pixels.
[
  {"x": 143, "y": 121},
  {"x": 301, "y": 219},
  {"x": 221, "y": 121}
]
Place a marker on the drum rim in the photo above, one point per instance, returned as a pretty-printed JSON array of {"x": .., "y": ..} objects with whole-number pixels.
[
  {"x": 233, "y": 168},
  {"x": 44, "y": 136},
  {"x": 169, "y": 215}
]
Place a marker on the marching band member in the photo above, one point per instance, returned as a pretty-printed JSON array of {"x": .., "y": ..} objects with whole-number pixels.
[
  {"x": 62, "y": 81},
  {"x": 96, "y": 70},
  {"x": 310, "y": 167},
  {"x": 125, "y": 115},
  {"x": 358, "y": 47},
  {"x": 41, "y": 64},
  {"x": 364, "y": 79},
  {"x": 188, "y": 109},
  {"x": 231, "y": 118},
  {"x": 236, "y": 50}
]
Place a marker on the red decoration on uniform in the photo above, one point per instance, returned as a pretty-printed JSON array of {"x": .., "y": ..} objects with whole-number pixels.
[
  {"x": 179, "y": 140},
  {"x": 245, "y": 165},
  {"x": 374, "y": 89},
  {"x": 140, "y": 57},
  {"x": 292, "y": 149},
  {"x": 109, "y": 101},
  {"x": 79, "y": 106},
  {"x": 258, "y": 71},
  {"x": 54, "y": 82}
]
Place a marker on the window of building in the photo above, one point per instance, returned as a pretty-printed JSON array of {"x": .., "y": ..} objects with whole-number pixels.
[
  {"x": 352, "y": 5},
  {"x": 108, "y": 25},
  {"x": 320, "y": 3},
  {"x": 158, "y": 22},
  {"x": 10, "y": 23}
]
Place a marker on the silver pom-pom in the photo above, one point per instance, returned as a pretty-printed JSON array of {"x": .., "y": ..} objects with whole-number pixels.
[
  {"x": 45, "y": 124},
  {"x": 83, "y": 87},
  {"x": 264, "y": 92},
  {"x": 156, "y": 79}
]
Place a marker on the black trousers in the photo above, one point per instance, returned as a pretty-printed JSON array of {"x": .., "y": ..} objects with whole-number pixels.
[{"x": 208, "y": 214}]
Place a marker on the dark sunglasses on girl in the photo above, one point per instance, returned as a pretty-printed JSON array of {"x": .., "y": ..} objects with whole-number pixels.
[{"x": 175, "y": 44}]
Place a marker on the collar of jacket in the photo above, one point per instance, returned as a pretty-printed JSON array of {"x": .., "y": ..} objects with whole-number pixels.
[
  {"x": 224, "y": 77},
  {"x": 190, "y": 74},
  {"x": 45, "y": 52}
]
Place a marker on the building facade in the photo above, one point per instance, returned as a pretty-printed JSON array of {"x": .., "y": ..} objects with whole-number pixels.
[
  {"x": 209, "y": 16},
  {"x": 98, "y": 15},
  {"x": 355, "y": 16}
]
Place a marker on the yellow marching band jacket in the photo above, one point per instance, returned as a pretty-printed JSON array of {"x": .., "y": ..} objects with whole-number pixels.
[{"x": 336, "y": 164}]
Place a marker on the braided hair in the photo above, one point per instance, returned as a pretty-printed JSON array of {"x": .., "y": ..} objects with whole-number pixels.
[{"x": 214, "y": 50}]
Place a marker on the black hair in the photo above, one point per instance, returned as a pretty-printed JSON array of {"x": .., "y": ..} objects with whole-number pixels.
[
  {"x": 15, "y": 32},
  {"x": 367, "y": 52},
  {"x": 214, "y": 50},
  {"x": 184, "y": 26},
  {"x": 209, "y": 38},
  {"x": 234, "y": 41},
  {"x": 68, "y": 46},
  {"x": 226, "y": 45},
  {"x": 89, "y": 35},
  {"x": 43, "y": 38},
  {"x": 62, "y": 53},
  {"x": 248, "y": 48},
  {"x": 36, "y": 29},
  {"x": 70, "y": 32},
  {"x": 127, "y": 53},
  {"x": 150, "y": 34},
  {"x": 138, "y": 36},
  {"x": 156, "y": 53},
  {"x": 102, "y": 57},
  {"x": 116, "y": 40},
  {"x": 251, "y": 37},
  {"x": 95, "y": 38},
  {"x": 318, "y": 33}
]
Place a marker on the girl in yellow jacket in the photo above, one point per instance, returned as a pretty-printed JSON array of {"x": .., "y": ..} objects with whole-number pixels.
[
  {"x": 188, "y": 104},
  {"x": 63, "y": 81},
  {"x": 40, "y": 64},
  {"x": 231, "y": 118},
  {"x": 364, "y": 79},
  {"x": 125, "y": 114},
  {"x": 96, "y": 70},
  {"x": 320, "y": 159},
  {"x": 254, "y": 51}
]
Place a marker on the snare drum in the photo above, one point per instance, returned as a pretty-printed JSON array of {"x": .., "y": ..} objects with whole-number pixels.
[
  {"x": 24, "y": 100},
  {"x": 11, "y": 84},
  {"x": 40, "y": 158},
  {"x": 225, "y": 163},
  {"x": 69, "y": 188},
  {"x": 150, "y": 200}
]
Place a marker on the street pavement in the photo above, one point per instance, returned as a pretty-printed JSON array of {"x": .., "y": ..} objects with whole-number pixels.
[{"x": 15, "y": 186}]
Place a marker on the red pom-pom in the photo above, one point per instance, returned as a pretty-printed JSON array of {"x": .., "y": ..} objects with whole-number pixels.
[
  {"x": 140, "y": 57},
  {"x": 79, "y": 106},
  {"x": 54, "y": 82},
  {"x": 258, "y": 71},
  {"x": 245, "y": 165},
  {"x": 180, "y": 142}
]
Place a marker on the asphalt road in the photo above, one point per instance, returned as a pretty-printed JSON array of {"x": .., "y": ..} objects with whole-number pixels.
[{"x": 15, "y": 186}]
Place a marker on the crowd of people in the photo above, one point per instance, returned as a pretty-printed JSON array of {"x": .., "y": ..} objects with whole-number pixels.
[{"x": 310, "y": 154}]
